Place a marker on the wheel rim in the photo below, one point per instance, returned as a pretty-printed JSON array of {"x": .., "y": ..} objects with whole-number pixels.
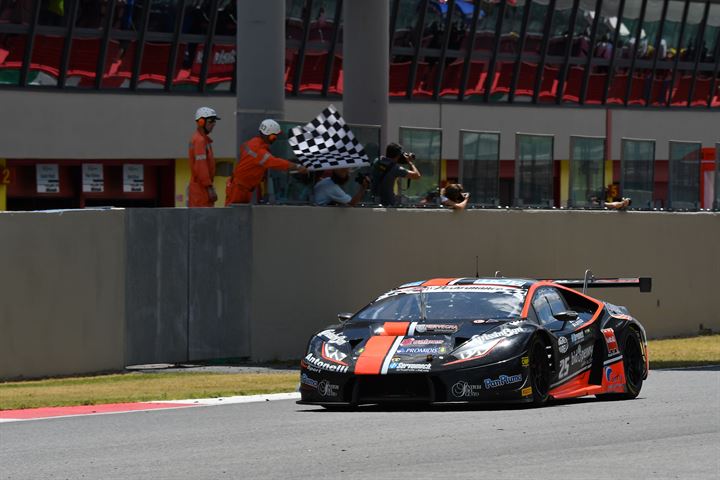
[
  {"x": 541, "y": 370},
  {"x": 634, "y": 361}
]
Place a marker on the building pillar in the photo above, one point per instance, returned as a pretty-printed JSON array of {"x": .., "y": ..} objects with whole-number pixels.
[
  {"x": 366, "y": 52},
  {"x": 260, "y": 65}
]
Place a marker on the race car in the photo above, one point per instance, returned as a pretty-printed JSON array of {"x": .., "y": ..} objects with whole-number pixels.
[{"x": 479, "y": 340}]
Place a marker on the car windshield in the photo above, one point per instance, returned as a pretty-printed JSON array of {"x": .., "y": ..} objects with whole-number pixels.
[{"x": 433, "y": 306}]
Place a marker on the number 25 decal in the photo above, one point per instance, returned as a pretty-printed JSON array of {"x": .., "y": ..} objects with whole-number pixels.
[{"x": 564, "y": 367}]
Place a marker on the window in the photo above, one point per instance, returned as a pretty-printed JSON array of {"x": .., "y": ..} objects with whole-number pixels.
[
  {"x": 637, "y": 171},
  {"x": 534, "y": 170},
  {"x": 684, "y": 175},
  {"x": 426, "y": 144},
  {"x": 480, "y": 166},
  {"x": 587, "y": 171},
  {"x": 547, "y": 302}
]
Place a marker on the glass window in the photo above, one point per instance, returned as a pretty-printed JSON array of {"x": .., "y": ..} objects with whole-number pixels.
[
  {"x": 369, "y": 137},
  {"x": 17, "y": 12},
  {"x": 547, "y": 302},
  {"x": 162, "y": 16},
  {"x": 625, "y": 49},
  {"x": 637, "y": 171},
  {"x": 684, "y": 175},
  {"x": 480, "y": 166},
  {"x": 227, "y": 18},
  {"x": 128, "y": 14},
  {"x": 534, "y": 170},
  {"x": 426, "y": 144},
  {"x": 587, "y": 171}
]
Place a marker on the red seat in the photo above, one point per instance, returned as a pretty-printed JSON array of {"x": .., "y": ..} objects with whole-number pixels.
[
  {"x": 504, "y": 78},
  {"x": 681, "y": 91},
  {"x": 476, "y": 79},
  {"x": 399, "y": 78},
  {"x": 155, "y": 61},
  {"x": 424, "y": 80},
  {"x": 291, "y": 56},
  {"x": 702, "y": 91},
  {"x": 616, "y": 93},
  {"x": 525, "y": 84},
  {"x": 595, "y": 89},
  {"x": 220, "y": 68},
  {"x": 313, "y": 72},
  {"x": 46, "y": 54},
  {"x": 549, "y": 83},
  {"x": 573, "y": 84},
  {"x": 637, "y": 90},
  {"x": 336, "y": 77},
  {"x": 452, "y": 78}
]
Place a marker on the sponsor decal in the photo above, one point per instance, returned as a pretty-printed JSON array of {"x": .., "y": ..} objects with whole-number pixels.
[
  {"x": 621, "y": 316},
  {"x": 564, "y": 367},
  {"x": 562, "y": 344},
  {"x": 436, "y": 328},
  {"x": 577, "y": 323},
  {"x": 525, "y": 361},
  {"x": 410, "y": 367},
  {"x": 420, "y": 341},
  {"x": 327, "y": 389},
  {"x": 526, "y": 392},
  {"x": 464, "y": 389},
  {"x": 611, "y": 342},
  {"x": 577, "y": 337},
  {"x": 333, "y": 354},
  {"x": 502, "y": 380},
  {"x": 612, "y": 377},
  {"x": 422, "y": 350},
  {"x": 319, "y": 363},
  {"x": 333, "y": 338},
  {"x": 581, "y": 355},
  {"x": 502, "y": 333},
  {"x": 305, "y": 380}
]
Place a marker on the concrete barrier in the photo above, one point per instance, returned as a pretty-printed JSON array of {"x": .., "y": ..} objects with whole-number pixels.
[{"x": 284, "y": 272}]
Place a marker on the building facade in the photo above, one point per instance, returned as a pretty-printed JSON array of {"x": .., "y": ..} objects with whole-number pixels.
[{"x": 536, "y": 103}]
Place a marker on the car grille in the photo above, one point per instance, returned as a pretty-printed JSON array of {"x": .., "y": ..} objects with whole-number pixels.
[{"x": 388, "y": 388}]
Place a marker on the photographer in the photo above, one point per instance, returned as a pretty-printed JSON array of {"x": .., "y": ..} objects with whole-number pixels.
[
  {"x": 453, "y": 196},
  {"x": 386, "y": 170},
  {"x": 328, "y": 191}
]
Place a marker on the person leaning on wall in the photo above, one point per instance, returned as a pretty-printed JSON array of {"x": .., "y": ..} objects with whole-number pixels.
[
  {"x": 454, "y": 197},
  {"x": 328, "y": 190},
  {"x": 201, "y": 191}
]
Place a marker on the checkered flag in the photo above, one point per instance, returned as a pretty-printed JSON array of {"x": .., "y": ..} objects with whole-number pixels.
[{"x": 327, "y": 143}]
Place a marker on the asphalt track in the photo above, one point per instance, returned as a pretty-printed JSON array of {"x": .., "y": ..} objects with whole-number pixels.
[{"x": 671, "y": 431}]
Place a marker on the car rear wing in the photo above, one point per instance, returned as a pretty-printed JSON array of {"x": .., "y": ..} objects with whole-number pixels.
[{"x": 643, "y": 283}]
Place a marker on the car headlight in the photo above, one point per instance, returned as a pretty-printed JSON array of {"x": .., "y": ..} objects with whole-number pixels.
[
  {"x": 476, "y": 347},
  {"x": 329, "y": 352}
]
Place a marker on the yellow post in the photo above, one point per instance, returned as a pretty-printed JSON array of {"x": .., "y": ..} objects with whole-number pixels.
[
  {"x": 4, "y": 179},
  {"x": 564, "y": 182}
]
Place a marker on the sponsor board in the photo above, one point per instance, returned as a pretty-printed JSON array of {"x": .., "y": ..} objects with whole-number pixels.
[
  {"x": 322, "y": 364},
  {"x": 333, "y": 338},
  {"x": 327, "y": 389},
  {"x": 527, "y": 391},
  {"x": 610, "y": 341},
  {"x": 502, "y": 380},
  {"x": 562, "y": 344},
  {"x": 410, "y": 367},
  {"x": 464, "y": 389}
]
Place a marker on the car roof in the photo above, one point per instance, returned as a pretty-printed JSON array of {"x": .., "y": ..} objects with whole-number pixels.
[{"x": 523, "y": 283}]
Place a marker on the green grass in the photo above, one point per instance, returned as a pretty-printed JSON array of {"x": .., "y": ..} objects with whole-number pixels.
[{"x": 137, "y": 387}]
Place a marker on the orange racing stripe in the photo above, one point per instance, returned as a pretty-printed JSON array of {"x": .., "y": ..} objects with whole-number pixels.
[
  {"x": 371, "y": 359},
  {"x": 396, "y": 329},
  {"x": 437, "y": 282}
]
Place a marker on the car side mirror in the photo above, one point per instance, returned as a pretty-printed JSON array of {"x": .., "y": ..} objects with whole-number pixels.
[
  {"x": 566, "y": 316},
  {"x": 344, "y": 317}
]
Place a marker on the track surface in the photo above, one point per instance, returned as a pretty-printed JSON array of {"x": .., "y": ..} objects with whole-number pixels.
[{"x": 671, "y": 431}]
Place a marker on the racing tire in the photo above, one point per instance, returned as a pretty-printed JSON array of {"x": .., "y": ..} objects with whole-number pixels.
[
  {"x": 634, "y": 365},
  {"x": 539, "y": 372}
]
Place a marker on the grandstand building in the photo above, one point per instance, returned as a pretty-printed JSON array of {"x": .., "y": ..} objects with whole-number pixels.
[{"x": 529, "y": 103}]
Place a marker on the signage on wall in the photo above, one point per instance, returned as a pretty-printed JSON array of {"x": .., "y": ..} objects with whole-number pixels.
[
  {"x": 92, "y": 175},
  {"x": 133, "y": 179},
  {"x": 47, "y": 178}
]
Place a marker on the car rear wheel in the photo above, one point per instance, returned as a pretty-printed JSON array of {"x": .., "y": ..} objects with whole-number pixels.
[
  {"x": 634, "y": 365},
  {"x": 539, "y": 371}
]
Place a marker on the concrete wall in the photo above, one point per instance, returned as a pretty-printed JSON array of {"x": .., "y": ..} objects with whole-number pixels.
[
  {"x": 50, "y": 125},
  {"x": 62, "y": 293},
  {"x": 285, "y": 272},
  {"x": 338, "y": 259}
]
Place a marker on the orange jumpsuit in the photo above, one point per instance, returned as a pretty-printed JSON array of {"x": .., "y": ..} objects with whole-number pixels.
[
  {"x": 255, "y": 160},
  {"x": 202, "y": 170}
]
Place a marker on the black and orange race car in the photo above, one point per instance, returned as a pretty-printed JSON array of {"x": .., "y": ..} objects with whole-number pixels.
[{"x": 479, "y": 340}]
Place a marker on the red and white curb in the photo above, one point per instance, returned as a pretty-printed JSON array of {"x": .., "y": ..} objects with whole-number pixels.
[{"x": 7, "y": 416}]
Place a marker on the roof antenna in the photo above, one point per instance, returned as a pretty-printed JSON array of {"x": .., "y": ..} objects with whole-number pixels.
[
  {"x": 588, "y": 277},
  {"x": 477, "y": 271},
  {"x": 497, "y": 274}
]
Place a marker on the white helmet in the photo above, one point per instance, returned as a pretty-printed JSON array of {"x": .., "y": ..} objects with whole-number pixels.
[
  {"x": 270, "y": 127},
  {"x": 205, "y": 112}
]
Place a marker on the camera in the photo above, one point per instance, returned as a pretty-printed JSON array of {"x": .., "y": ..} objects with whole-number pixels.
[
  {"x": 361, "y": 178},
  {"x": 406, "y": 158}
]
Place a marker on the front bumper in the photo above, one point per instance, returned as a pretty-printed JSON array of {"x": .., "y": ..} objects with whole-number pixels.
[{"x": 505, "y": 381}]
